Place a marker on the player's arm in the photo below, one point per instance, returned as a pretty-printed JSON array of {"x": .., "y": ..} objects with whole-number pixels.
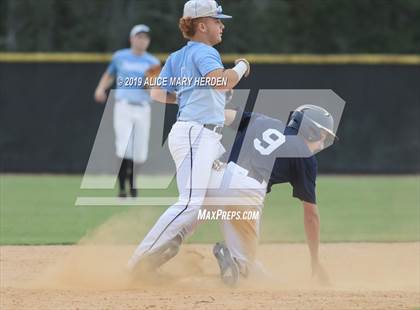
[
  {"x": 231, "y": 76},
  {"x": 312, "y": 225},
  {"x": 105, "y": 82},
  {"x": 162, "y": 95},
  {"x": 230, "y": 116},
  {"x": 165, "y": 94},
  {"x": 238, "y": 119}
]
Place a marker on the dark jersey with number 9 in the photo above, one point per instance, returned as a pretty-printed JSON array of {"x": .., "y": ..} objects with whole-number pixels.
[{"x": 275, "y": 154}]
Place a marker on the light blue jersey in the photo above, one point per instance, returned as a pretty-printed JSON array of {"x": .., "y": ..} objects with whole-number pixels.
[
  {"x": 129, "y": 70},
  {"x": 181, "y": 72}
]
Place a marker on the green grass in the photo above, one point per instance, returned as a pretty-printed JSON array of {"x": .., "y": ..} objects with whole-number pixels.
[{"x": 39, "y": 209}]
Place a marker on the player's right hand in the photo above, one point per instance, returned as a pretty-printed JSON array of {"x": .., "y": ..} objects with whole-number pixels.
[
  {"x": 100, "y": 95},
  {"x": 248, "y": 70},
  {"x": 320, "y": 274}
]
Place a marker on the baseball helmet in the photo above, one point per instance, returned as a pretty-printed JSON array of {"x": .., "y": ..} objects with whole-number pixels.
[{"x": 310, "y": 120}]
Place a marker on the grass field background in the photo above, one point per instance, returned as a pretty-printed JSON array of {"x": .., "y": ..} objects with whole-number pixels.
[{"x": 40, "y": 209}]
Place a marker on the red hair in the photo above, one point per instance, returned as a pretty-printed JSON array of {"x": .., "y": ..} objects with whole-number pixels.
[{"x": 188, "y": 26}]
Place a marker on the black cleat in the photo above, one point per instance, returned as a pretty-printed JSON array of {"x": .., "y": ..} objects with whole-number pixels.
[
  {"x": 133, "y": 192},
  {"x": 229, "y": 271}
]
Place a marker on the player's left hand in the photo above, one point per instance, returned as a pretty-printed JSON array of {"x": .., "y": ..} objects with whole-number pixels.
[{"x": 320, "y": 274}]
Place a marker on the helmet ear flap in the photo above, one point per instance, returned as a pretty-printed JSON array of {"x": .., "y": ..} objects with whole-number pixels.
[
  {"x": 310, "y": 121},
  {"x": 295, "y": 119},
  {"x": 304, "y": 126}
]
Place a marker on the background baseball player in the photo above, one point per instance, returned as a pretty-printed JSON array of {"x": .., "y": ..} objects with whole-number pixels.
[
  {"x": 194, "y": 140},
  {"x": 132, "y": 109}
]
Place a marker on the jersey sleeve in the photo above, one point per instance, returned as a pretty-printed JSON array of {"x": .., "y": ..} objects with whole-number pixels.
[
  {"x": 166, "y": 73},
  {"x": 208, "y": 60},
  {"x": 112, "y": 67},
  {"x": 303, "y": 179}
]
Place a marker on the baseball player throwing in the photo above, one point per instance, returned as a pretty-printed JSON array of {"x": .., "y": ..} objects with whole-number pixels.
[
  {"x": 132, "y": 109},
  {"x": 194, "y": 140}
]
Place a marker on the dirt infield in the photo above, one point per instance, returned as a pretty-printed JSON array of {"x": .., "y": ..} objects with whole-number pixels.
[{"x": 365, "y": 276}]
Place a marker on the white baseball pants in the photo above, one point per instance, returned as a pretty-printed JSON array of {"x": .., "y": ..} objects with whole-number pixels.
[
  {"x": 245, "y": 194},
  {"x": 194, "y": 149},
  {"x": 132, "y": 128}
]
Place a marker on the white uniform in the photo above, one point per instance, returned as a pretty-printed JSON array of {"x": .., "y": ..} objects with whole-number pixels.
[
  {"x": 132, "y": 110},
  {"x": 193, "y": 147},
  {"x": 192, "y": 184},
  {"x": 240, "y": 235},
  {"x": 132, "y": 129}
]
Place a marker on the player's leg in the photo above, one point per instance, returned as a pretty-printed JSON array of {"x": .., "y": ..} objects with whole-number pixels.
[
  {"x": 241, "y": 237},
  {"x": 122, "y": 129},
  {"x": 153, "y": 260},
  {"x": 122, "y": 175},
  {"x": 214, "y": 187},
  {"x": 131, "y": 177},
  {"x": 229, "y": 268},
  {"x": 193, "y": 174},
  {"x": 179, "y": 216},
  {"x": 141, "y": 133},
  {"x": 241, "y": 232}
]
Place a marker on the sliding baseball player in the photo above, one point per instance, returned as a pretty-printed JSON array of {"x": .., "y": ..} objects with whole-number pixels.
[{"x": 266, "y": 152}]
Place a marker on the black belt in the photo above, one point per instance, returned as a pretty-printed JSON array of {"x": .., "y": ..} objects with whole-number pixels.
[
  {"x": 137, "y": 103},
  {"x": 216, "y": 128}
]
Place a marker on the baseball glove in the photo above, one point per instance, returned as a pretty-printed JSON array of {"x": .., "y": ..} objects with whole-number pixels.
[
  {"x": 153, "y": 72},
  {"x": 151, "y": 75}
]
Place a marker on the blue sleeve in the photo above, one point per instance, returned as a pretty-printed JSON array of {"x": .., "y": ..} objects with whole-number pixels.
[
  {"x": 167, "y": 73},
  {"x": 303, "y": 179},
  {"x": 208, "y": 60},
  {"x": 112, "y": 67}
]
